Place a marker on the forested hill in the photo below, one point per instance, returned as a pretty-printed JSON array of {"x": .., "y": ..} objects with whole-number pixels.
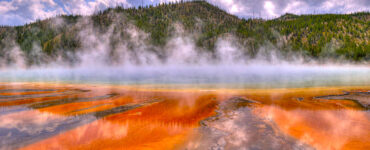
[{"x": 327, "y": 36}]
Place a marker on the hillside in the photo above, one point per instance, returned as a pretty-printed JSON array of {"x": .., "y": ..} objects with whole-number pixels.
[{"x": 328, "y": 36}]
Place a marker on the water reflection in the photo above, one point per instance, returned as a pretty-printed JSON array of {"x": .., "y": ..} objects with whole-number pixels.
[
  {"x": 76, "y": 116},
  {"x": 323, "y": 129}
]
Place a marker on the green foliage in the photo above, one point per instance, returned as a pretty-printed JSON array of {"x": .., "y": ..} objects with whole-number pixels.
[
  {"x": 318, "y": 36},
  {"x": 313, "y": 32}
]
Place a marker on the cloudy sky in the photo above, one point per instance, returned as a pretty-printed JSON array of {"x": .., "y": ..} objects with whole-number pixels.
[{"x": 18, "y": 12}]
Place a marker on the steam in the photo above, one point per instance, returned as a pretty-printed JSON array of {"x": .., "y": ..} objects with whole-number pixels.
[
  {"x": 122, "y": 54},
  {"x": 241, "y": 129}
]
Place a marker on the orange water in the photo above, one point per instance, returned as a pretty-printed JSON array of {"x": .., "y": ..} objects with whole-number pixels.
[{"x": 166, "y": 118}]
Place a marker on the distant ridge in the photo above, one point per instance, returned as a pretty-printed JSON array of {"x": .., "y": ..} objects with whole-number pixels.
[
  {"x": 321, "y": 37},
  {"x": 288, "y": 16}
]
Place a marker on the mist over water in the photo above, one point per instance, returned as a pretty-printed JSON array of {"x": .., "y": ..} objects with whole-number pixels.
[
  {"x": 179, "y": 62},
  {"x": 222, "y": 76}
]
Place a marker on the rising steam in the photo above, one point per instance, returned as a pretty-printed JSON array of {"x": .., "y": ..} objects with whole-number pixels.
[{"x": 105, "y": 56}]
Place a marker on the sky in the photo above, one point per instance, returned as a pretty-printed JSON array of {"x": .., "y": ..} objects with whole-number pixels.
[{"x": 19, "y": 12}]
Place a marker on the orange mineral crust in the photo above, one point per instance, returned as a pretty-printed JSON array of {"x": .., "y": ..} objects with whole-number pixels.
[
  {"x": 161, "y": 125},
  {"x": 323, "y": 129},
  {"x": 77, "y": 116}
]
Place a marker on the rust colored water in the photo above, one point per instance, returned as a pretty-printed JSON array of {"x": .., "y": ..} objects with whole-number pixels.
[{"x": 76, "y": 116}]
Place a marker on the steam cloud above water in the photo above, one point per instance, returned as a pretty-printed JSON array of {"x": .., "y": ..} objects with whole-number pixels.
[
  {"x": 261, "y": 76},
  {"x": 133, "y": 61}
]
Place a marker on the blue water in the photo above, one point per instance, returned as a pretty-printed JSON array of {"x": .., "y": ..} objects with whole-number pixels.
[{"x": 251, "y": 76}]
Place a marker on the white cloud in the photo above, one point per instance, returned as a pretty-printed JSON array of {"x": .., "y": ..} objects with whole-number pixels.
[
  {"x": 28, "y": 10},
  {"x": 87, "y": 8},
  {"x": 295, "y": 7},
  {"x": 6, "y": 7},
  {"x": 231, "y": 6},
  {"x": 270, "y": 8},
  {"x": 17, "y": 12},
  {"x": 275, "y": 8}
]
